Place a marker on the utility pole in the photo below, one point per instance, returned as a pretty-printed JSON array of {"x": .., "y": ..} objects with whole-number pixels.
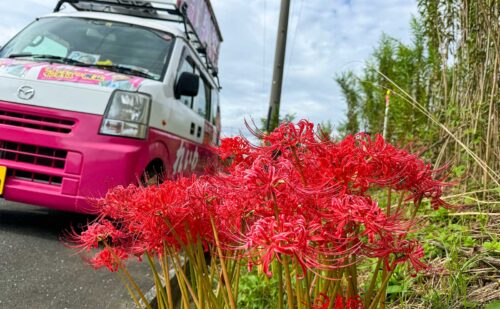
[{"x": 279, "y": 67}]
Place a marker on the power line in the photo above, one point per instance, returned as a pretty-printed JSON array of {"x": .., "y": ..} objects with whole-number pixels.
[
  {"x": 264, "y": 84},
  {"x": 293, "y": 39}
]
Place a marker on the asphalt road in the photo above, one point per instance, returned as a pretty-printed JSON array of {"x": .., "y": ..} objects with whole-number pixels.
[{"x": 38, "y": 271}]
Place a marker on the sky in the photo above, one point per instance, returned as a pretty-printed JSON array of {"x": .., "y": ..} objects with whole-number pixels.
[{"x": 326, "y": 37}]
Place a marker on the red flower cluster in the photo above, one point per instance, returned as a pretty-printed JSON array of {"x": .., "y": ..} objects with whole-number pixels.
[
  {"x": 324, "y": 301},
  {"x": 295, "y": 195}
]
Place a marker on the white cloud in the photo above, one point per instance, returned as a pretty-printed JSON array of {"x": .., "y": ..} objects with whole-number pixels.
[
  {"x": 331, "y": 36},
  {"x": 325, "y": 38}
]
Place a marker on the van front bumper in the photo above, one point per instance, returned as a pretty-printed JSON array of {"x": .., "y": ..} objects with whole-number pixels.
[{"x": 57, "y": 159}]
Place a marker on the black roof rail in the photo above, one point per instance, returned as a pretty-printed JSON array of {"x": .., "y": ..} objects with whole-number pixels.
[{"x": 128, "y": 5}]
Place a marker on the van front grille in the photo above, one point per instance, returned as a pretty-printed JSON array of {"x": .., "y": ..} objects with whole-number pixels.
[
  {"x": 36, "y": 155},
  {"x": 51, "y": 124},
  {"x": 35, "y": 177}
]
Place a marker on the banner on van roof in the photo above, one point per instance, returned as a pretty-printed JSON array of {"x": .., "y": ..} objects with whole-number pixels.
[{"x": 202, "y": 17}]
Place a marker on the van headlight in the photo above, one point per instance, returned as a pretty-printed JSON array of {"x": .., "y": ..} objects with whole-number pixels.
[{"x": 127, "y": 115}]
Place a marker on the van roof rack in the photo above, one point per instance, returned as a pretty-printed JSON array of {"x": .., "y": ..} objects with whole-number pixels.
[{"x": 202, "y": 33}]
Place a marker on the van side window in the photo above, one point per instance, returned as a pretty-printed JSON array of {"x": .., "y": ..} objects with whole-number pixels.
[
  {"x": 215, "y": 104},
  {"x": 202, "y": 101},
  {"x": 186, "y": 66}
]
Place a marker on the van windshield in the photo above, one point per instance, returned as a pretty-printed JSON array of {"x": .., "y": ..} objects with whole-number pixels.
[{"x": 114, "y": 46}]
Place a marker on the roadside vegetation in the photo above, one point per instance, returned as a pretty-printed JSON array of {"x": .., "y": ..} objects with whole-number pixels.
[
  {"x": 444, "y": 102},
  {"x": 307, "y": 220},
  {"x": 317, "y": 224}
]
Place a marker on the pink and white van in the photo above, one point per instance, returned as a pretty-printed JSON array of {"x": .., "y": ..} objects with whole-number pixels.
[{"x": 99, "y": 93}]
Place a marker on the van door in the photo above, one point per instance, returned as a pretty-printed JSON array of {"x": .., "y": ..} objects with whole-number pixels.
[{"x": 185, "y": 121}]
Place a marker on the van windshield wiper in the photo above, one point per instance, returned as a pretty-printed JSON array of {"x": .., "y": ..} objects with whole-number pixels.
[
  {"x": 123, "y": 69},
  {"x": 111, "y": 67},
  {"x": 48, "y": 57}
]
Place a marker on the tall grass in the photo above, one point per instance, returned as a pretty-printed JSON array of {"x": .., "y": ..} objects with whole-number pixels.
[
  {"x": 465, "y": 35},
  {"x": 445, "y": 98}
]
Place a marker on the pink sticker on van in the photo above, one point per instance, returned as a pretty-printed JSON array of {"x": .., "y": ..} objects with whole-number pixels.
[
  {"x": 90, "y": 76},
  {"x": 18, "y": 68}
]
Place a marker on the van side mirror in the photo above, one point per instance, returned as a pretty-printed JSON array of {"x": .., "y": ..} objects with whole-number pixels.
[{"x": 187, "y": 85}]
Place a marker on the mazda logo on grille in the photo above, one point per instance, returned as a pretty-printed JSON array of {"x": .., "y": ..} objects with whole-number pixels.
[{"x": 25, "y": 93}]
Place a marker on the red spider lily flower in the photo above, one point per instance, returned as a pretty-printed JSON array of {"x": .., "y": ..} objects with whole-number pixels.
[
  {"x": 412, "y": 251},
  {"x": 290, "y": 236},
  {"x": 234, "y": 148},
  {"x": 323, "y": 302},
  {"x": 354, "y": 303},
  {"x": 111, "y": 258},
  {"x": 295, "y": 195},
  {"x": 288, "y": 136},
  {"x": 96, "y": 234},
  {"x": 404, "y": 250}
]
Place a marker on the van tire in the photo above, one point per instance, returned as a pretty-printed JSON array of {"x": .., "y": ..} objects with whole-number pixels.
[{"x": 153, "y": 174}]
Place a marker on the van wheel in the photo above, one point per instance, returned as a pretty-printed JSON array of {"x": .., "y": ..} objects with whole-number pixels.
[{"x": 153, "y": 175}]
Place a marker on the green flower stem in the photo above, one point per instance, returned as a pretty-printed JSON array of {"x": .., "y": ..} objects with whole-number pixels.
[
  {"x": 160, "y": 291},
  {"x": 288, "y": 279},
  {"x": 181, "y": 274},
  {"x": 400, "y": 202},
  {"x": 307, "y": 297},
  {"x": 127, "y": 274},
  {"x": 336, "y": 288},
  {"x": 389, "y": 201},
  {"x": 227, "y": 282},
  {"x": 236, "y": 278},
  {"x": 279, "y": 267},
  {"x": 279, "y": 270},
  {"x": 371, "y": 287},
  {"x": 383, "y": 288},
  {"x": 165, "y": 267},
  {"x": 129, "y": 289},
  {"x": 299, "y": 166},
  {"x": 182, "y": 285},
  {"x": 354, "y": 275},
  {"x": 135, "y": 286},
  {"x": 298, "y": 285},
  {"x": 316, "y": 285},
  {"x": 375, "y": 301},
  {"x": 417, "y": 207}
]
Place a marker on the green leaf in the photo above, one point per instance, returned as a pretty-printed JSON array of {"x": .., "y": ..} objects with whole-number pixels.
[
  {"x": 493, "y": 305},
  {"x": 492, "y": 245},
  {"x": 394, "y": 289},
  {"x": 469, "y": 305}
]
